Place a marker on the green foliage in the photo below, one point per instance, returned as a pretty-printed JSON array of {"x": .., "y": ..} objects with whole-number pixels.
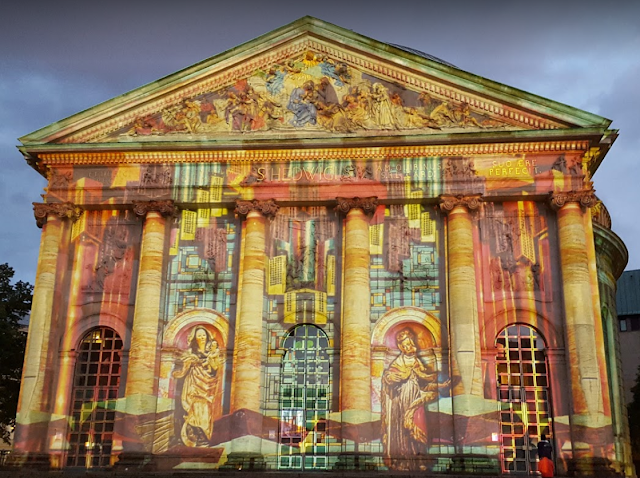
[
  {"x": 15, "y": 304},
  {"x": 634, "y": 418}
]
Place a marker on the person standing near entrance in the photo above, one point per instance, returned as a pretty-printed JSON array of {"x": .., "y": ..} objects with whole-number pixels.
[{"x": 545, "y": 457}]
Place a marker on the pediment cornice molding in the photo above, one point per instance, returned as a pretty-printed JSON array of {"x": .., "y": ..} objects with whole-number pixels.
[
  {"x": 312, "y": 154},
  {"x": 225, "y": 73}
]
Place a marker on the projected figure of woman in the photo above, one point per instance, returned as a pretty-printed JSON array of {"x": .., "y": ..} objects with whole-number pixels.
[
  {"x": 200, "y": 368},
  {"x": 408, "y": 385}
]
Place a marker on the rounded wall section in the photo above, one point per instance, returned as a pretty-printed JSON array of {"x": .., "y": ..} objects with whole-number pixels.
[
  {"x": 611, "y": 254},
  {"x": 611, "y": 259},
  {"x": 600, "y": 215}
]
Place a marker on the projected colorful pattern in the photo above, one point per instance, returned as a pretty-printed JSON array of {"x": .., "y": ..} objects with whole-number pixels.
[
  {"x": 323, "y": 252},
  {"x": 367, "y": 283}
]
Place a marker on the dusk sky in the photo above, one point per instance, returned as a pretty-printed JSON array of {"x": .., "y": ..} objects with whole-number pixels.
[{"x": 59, "y": 58}]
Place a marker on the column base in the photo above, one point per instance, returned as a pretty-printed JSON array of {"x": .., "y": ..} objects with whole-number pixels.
[
  {"x": 245, "y": 461},
  {"x": 591, "y": 466},
  {"x": 357, "y": 461},
  {"x": 476, "y": 464},
  {"x": 132, "y": 461},
  {"x": 35, "y": 461}
]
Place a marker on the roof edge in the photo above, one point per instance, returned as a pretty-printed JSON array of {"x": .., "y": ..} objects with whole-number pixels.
[{"x": 449, "y": 74}]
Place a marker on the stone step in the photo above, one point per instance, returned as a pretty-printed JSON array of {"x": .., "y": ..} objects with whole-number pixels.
[{"x": 81, "y": 472}]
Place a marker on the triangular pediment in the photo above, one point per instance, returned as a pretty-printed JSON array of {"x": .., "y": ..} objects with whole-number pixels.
[{"x": 311, "y": 79}]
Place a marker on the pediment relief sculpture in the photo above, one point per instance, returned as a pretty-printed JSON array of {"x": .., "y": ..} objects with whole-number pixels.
[{"x": 311, "y": 93}]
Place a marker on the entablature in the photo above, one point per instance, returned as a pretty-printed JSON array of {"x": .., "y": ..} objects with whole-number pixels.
[{"x": 394, "y": 174}]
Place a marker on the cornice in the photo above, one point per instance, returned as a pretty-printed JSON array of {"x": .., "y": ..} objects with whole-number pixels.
[{"x": 299, "y": 154}]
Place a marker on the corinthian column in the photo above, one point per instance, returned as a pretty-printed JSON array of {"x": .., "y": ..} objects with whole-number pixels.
[
  {"x": 140, "y": 389},
  {"x": 246, "y": 387},
  {"x": 463, "y": 298},
  {"x": 583, "y": 327},
  {"x": 464, "y": 339},
  {"x": 355, "y": 363},
  {"x": 33, "y": 413}
]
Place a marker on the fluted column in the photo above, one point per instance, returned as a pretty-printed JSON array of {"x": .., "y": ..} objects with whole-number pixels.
[
  {"x": 141, "y": 378},
  {"x": 31, "y": 410},
  {"x": 355, "y": 363},
  {"x": 74, "y": 293},
  {"x": 463, "y": 297},
  {"x": 246, "y": 387},
  {"x": 582, "y": 327},
  {"x": 464, "y": 338}
]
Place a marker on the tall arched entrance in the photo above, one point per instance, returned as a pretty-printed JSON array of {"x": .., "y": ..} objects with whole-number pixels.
[
  {"x": 523, "y": 392},
  {"x": 305, "y": 399},
  {"x": 96, "y": 382}
]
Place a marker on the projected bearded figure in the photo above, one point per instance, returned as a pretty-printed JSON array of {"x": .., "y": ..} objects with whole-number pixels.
[
  {"x": 201, "y": 366},
  {"x": 408, "y": 385}
]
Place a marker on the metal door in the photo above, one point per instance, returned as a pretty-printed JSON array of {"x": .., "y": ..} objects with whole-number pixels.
[
  {"x": 523, "y": 392},
  {"x": 304, "y": 400},
  {"x": 96, "y": 383}
]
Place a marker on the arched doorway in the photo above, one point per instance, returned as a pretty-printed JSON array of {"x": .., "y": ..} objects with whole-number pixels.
[
  {"x": 96, "y": 382},
  {"x": 523, "y": 392},
  {"x": 305, "y": 399}
]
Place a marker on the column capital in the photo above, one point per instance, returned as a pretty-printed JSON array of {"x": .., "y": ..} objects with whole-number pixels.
[
  {"x": 266, "y": 207},
  {"x": 471, "y": 202},
  {"x": 63, "y": 210},
  {"x": 586, "y": 198},
  {"x": 165, "y": 207},
  {"x": 368, "y": 205}
]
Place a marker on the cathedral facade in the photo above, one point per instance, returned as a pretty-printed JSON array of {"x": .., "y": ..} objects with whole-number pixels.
[{"x": 318, "y": 251}]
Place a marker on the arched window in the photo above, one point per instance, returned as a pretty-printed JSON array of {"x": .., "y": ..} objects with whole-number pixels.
[
  {"x": 523, "y": 392},
  {"x": 304, "y": 399},
  {"x": 95, "y": 390}
]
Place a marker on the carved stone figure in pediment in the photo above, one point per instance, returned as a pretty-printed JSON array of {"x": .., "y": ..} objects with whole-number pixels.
[{"x": 311, "y": 91}]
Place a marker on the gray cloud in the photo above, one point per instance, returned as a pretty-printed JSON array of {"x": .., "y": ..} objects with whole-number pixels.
[{"x": 60, "y": 58}]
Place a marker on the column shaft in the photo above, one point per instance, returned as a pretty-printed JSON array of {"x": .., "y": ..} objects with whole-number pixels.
[
  {"x": 463, "y": 303},
  {"x": 33, "y": 373},
  {"x": 582, "y": 346},
  {"x": 247, "y": 361},
  {"x": 355, "y": 376},
  {"x": 143, "y": 355},
  {"x": 74, "y": 314}
]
